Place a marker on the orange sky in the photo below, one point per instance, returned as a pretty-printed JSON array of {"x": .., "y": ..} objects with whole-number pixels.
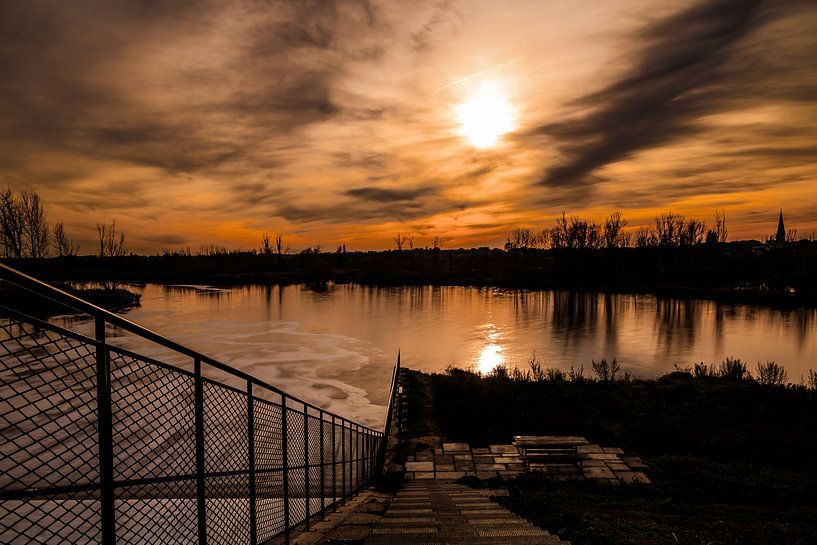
[{"x": 337, "y": 121}]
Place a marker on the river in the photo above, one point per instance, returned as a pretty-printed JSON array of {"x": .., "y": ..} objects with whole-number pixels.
[{"x": 336, "y": 346}]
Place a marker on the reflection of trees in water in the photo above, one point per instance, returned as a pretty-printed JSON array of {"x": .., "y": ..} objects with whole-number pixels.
[
  {"x": 574, "y": 316},
  {"x": 529, "y": 306},
  {"x": 799, "y": 322},
  {"x": 676, "y": 322},
  {"x": 614, "y": 308}
]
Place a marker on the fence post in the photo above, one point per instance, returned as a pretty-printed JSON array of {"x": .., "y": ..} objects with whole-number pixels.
[
  {"x": 251, "y": 464},
  {"x": 343, "y": 461},
  {"x": 334, "y": 469},
  {"x": 323, "y": 494},
  {"x": 285, "y": 467},
  {"x": 306, "y": 462},
  {"x": 200, "y": 484},
  {"x": 105, "y": 434}
]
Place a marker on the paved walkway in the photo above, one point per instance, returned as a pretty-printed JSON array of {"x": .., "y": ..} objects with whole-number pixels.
[{"x": 443, "y": 513}]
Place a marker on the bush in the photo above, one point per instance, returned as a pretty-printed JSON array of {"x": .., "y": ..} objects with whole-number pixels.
[
  {"x": 606, "y": 371},
  {"x": 734, "y": 369},
  {"x": 771, "y": 373}
]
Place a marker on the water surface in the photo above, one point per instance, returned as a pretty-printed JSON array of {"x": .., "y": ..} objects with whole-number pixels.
[{"x": 336, "y": 347}]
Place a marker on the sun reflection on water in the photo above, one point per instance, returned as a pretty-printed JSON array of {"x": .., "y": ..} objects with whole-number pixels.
[{"x": 490, "y": 357}]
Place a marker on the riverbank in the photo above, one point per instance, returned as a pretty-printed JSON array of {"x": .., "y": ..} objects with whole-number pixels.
[
  {"x": 744, "y": 271},
  {"x": 731, "y": 461},
  {"x": 112, "y": 299}
]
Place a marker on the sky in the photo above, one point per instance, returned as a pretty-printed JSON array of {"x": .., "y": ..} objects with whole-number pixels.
[{"x": 349, "y": 121}]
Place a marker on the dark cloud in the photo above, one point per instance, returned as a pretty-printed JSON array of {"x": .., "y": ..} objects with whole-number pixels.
[
  {"x": 689, "y": 67},
  {"x": 382, "y": 195},
  {"x": 133, "y": 81}
]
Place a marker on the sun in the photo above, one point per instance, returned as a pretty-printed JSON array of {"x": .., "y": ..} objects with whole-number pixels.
[{"x": 485, "y": 116}]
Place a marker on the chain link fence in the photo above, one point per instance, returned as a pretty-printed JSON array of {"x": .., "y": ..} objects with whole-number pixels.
[{"x": 103, "y": 445}]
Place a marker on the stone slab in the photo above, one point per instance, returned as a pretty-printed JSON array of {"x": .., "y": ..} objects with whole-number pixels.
[
  {"x": 506, "y": 459},
  {"x": 602, "y": 456},
  {"x": 419, "y": 466},
  {"x": 490, "y": 467},
  {"x": 424, "y": 456},
  {"x": 456, "y": 447},
  {"x": 364, "y": 519},
  {"x": 453, "y": 475},
  {"x": 586, "y": 449},
  {"x": 348, "y": 534},
  {"x": 499, "y": 449},
  {"x": 598, "y": 473}
]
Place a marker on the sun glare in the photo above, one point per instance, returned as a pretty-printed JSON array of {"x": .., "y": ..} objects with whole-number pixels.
[{"x": 485, "y": 116}]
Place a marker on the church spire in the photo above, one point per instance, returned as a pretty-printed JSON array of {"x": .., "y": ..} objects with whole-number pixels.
[{"x": 780, "y": 238}]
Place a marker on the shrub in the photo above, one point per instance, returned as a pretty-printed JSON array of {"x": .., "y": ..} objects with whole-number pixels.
[
  {"x": 606, "y": 371},
  {"x": 555, "y": 375},
  {"x": 702, "y": 370},
  {"x": 537, "y": 372},
  {"x": 771, "y": 373},
  {"x": 734, "y": 369},
  {"x": 812, "y": 379},
  {"x": 576, "y": 375}
]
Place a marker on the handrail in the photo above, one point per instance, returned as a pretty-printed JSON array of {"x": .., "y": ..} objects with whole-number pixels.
[
  {"x": 395, "y": 378},
  {"x": 47, "y": 291},
  {"x": 96, "y": 423}
]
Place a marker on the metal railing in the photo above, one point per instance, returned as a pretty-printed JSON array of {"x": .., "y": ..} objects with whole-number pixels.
[{"x": 104, "y": 445}]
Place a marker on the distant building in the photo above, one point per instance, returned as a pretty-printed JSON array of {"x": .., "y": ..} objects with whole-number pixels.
[{"x": 780, "y": 237}]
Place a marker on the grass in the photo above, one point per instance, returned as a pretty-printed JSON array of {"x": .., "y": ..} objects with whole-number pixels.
[{"x": 732, "y": 460}]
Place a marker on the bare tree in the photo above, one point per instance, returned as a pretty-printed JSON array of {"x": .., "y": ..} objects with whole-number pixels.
[
  {"x": 410, "y": 241},
  {"x": 12, "y": 224},
  {"x": 437, "y": 243},
  {"x": 64, "y": 245},
  {"x": 645, "y": 237},
  {"x": 111, "y": 242},
  {"x": 266, "y": 244},
  {"x": 400, "y": 240},
  {"x": 668, "y": 229},
  {"x": 613, "y": 230},
  {"x": 720, "y": 226},
  {"x": 791, "y": 235},
  {"x": 693, "y": 232},
  {"x": 211, "y": 250},
  {"x": 560, "y": 233},
  {"x": 543, "y": 238},
  {"x": 35, "y": 232},
  {"x": 520, "y": 238},
  {"x": 280, "y": 248}
]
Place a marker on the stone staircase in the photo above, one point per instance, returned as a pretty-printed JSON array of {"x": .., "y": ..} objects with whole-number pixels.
[{"x": 444, "y": 513}]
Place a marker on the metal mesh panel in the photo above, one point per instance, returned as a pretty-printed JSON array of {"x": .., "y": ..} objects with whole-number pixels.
[
  {"x": 153, "y": 420},
  {"x": 225, "y": 428},
  {"x": 267, "y": 434},
  {"x": 49, "y": 446},
  {"x": 269, "y": 494},
  {"x": 157, "y": 513},
  {"x": 54, "y": 521},
  {"x": 228, "y": 510},
  {"x": 314, "y": 443},
  {"x": 47, "y": 408},
  {"x": 295, "y": 438},
  {"x": 297, "y": 495}
]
